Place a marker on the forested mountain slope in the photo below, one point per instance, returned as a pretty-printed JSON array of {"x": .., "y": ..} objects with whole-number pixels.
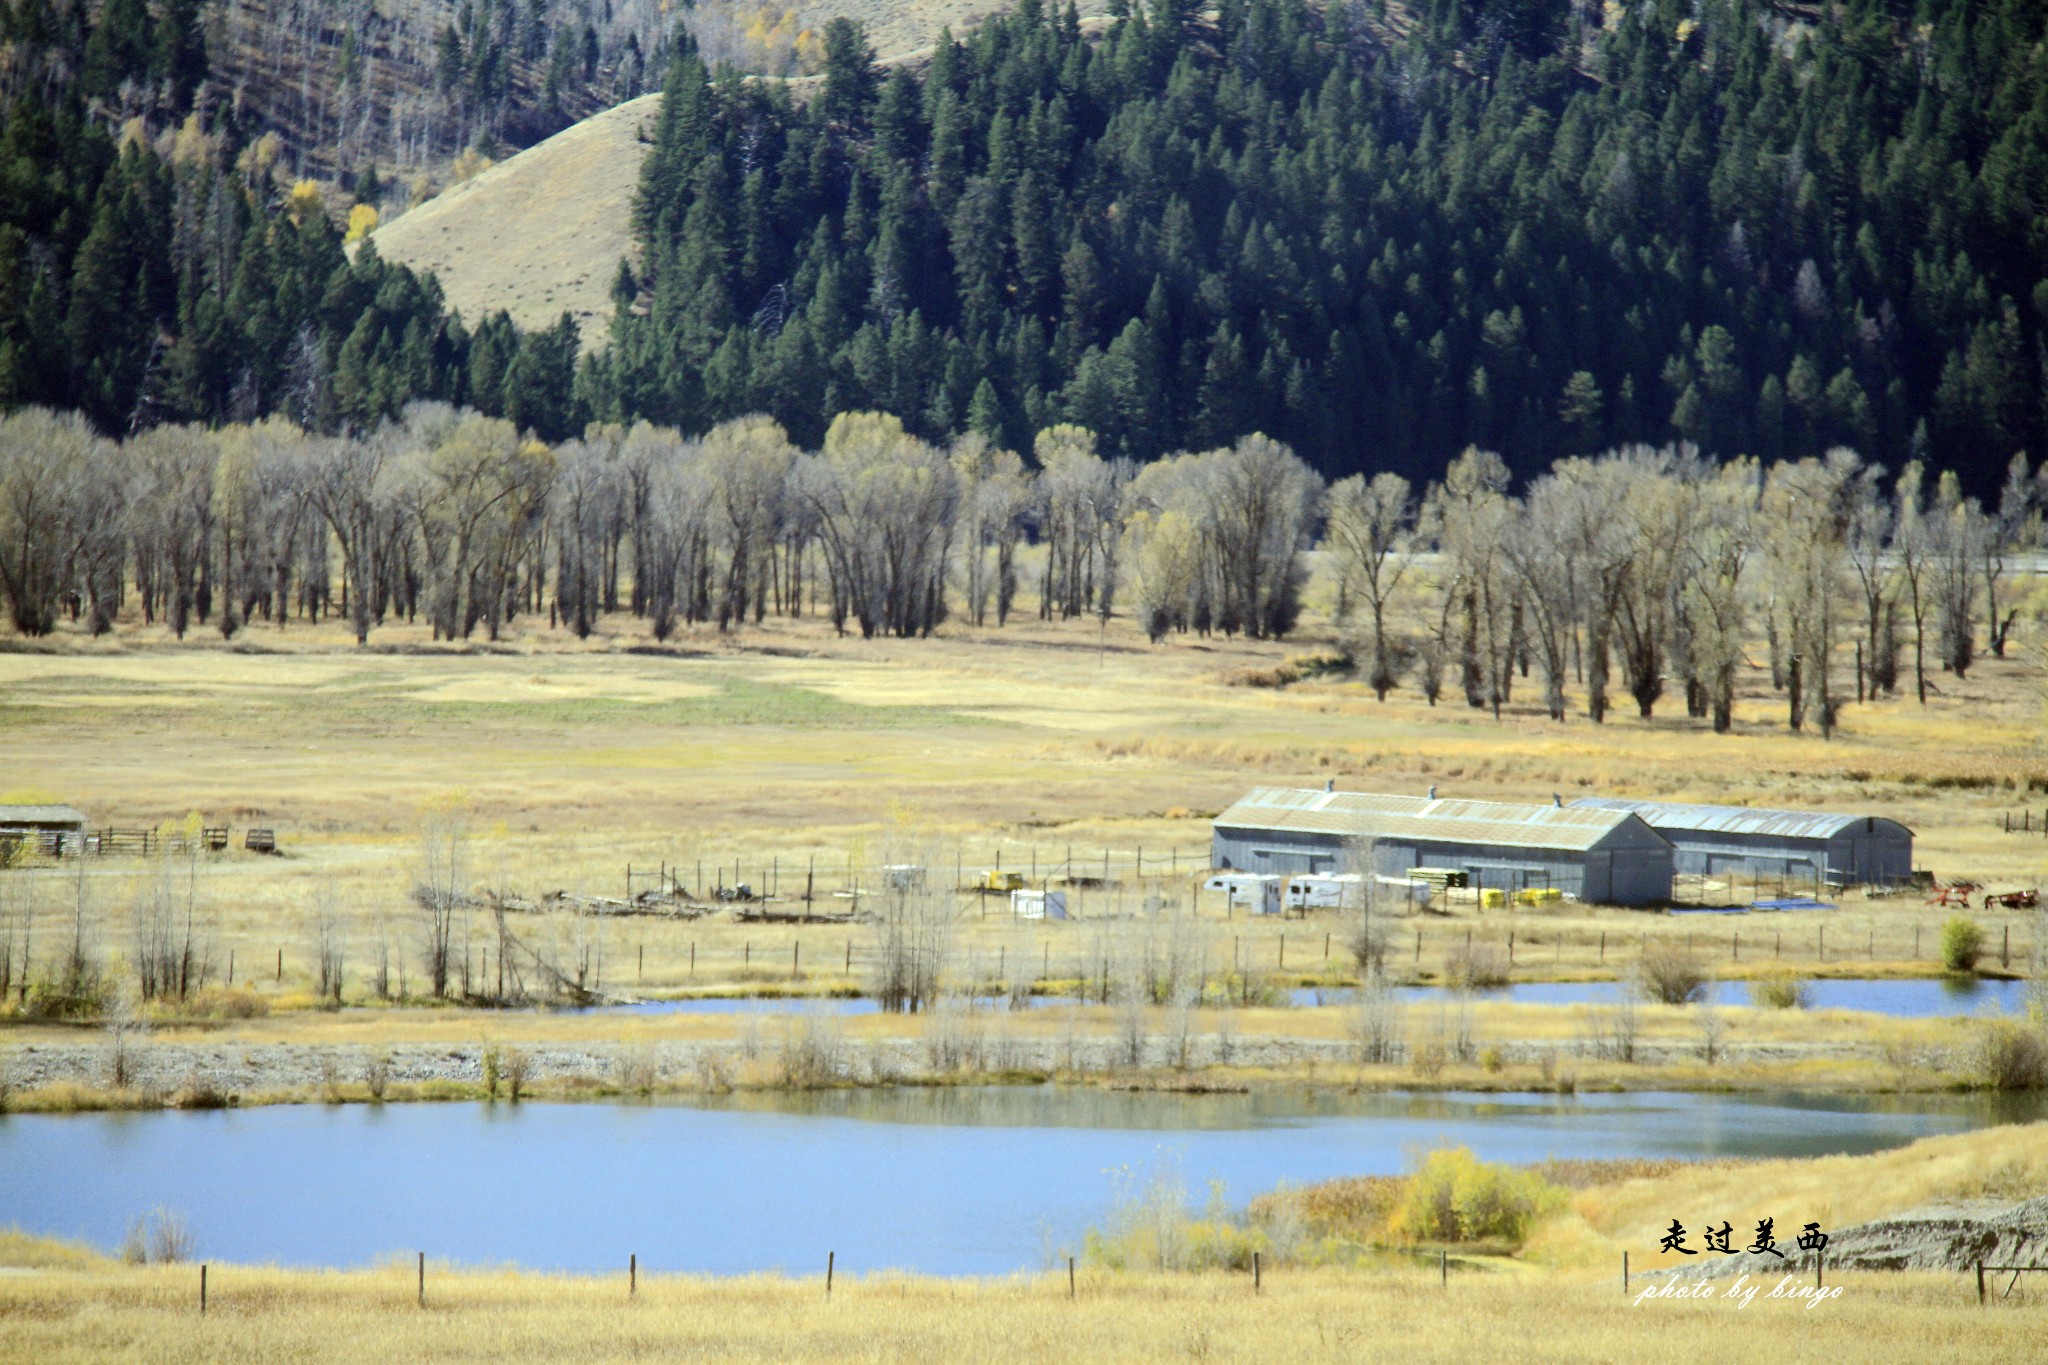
[
  {"x": 1380, "y": 231},
  {"x": 1522, "y": 224}
]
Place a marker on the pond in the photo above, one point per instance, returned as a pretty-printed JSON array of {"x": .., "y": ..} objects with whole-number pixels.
[
  {"x": 946, "y": 1181},
  {"x": 1914, "y": 999}
]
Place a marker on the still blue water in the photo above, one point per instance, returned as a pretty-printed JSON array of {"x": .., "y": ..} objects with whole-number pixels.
[
  {"x": 1918, "y": 999},
  {"x": 952, "y": 1181}
]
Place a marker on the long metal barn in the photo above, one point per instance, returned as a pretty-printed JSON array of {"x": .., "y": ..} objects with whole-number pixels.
[
  {"x": 1729, "y": 841},
  {"x": 1607, "y": 857}
]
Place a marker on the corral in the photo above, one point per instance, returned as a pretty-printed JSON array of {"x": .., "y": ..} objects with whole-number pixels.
[
  {"x": 1606, "y": 857},
  {"x": 1793, "y": 846}
]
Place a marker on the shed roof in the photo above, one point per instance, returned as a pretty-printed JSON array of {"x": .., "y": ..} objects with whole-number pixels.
[
  {"x": 41, "y": 815},
  {"x": 1681, "y": 816},
  {"x": 1377, "y": 816}
]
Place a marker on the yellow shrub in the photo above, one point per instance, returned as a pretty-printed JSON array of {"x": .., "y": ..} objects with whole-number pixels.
[
  {"x": 304, "y": 199},
  {"x": 362, "y": 221},
  {"x": 1455, "y": 1197}
]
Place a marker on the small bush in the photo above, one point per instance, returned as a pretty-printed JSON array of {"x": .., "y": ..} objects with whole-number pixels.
[
  {"x": 494, "y": 1070},
  {"x": 2012, "y": 1055},
  {"x": 811, "y": 1055},
  {"x": 1453, "y": 1196},
  {"x": 222, "y": 1002},
  {"x": 77, "y": 995},
  {"x": 639, "y": 1069},
  {"x": 1962, "y": 943},
  {"x": 377, "y": 1075},
  {"x": 1783, "y": 989},
  {"x": 518, "y": 1071},
  {"x": 157, "y": 1238},
  {"x": 1672, "y": 975},
  {"x": 1480, "y": 966}
]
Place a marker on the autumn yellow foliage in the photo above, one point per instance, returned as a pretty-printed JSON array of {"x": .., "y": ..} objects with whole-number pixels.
[{"x": 362, "y": 221}]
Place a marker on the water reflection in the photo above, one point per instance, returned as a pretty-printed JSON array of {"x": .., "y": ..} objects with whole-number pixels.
[{"x": 944, "y": 1180}]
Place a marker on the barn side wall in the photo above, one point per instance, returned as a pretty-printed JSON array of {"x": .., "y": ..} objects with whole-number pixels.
[{"x": 1626, "y": 875}]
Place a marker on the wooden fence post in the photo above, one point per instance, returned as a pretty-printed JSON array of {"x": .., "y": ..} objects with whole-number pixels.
[
  {"x": 1255, "y": 1272},
  {"x": 423, "y": 1280},
  {"x": 1624, "y": 1274},
  {"x": 1980, "y": 1281},
  {"x": 633, "y": 1275},
  {"x": 202, "y": 1289},
  {"x": 830, "y": 1256},
  {"x": 1071, "y": 1293},
  {"x": 1443, "y": 1267}
]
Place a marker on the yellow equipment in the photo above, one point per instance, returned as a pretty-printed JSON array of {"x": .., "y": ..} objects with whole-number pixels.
[{"x": 993, "y": 880}]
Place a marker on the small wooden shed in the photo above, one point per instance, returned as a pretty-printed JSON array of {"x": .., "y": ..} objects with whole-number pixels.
[{"x": 51, "y": 831}]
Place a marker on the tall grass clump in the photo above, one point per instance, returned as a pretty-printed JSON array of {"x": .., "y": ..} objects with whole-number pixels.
[
  {"x": 1376, "y": 1020},
  {"x": 2012, "y": 1054},
  {"x": 811, "y": 1055},
  {"x": 1672, "y": 975},
  {"x": 1962, "y": 943},
  {"x": 1453, "y": 1196},
  {"x": 1151, "y": 1227},
  {"x": 159, "y": 1237},
  {"x": 1477, "y": 967},
  {"x": 1781, "y": 988}
]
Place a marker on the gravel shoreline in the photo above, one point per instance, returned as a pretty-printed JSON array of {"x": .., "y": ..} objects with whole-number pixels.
[{"x": 252, "y": 1068}]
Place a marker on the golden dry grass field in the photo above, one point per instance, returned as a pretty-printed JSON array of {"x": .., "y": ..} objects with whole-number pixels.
[
  {"x": 1560, "y": 1301},
  {"x": 781, "y": 751}
]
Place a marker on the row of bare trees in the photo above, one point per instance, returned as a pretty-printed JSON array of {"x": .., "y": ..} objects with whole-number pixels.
[
  {"x": 460, "y": 520},
  {"x": 1641, "y": 572},
  {"x": 1649, "y": 570}
]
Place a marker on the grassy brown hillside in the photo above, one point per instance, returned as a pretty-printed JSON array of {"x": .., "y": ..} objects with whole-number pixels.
[{"x": 538, "y": 234}]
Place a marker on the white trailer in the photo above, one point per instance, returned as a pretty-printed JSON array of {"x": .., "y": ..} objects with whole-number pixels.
[
  {"x": 1038, "y": 904},
  {"x": 1325, "y": 891},
  {"x": 1257, "y": 892}
]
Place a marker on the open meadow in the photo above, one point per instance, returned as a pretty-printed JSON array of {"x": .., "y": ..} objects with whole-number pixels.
[{"x": 801, "y": 762}]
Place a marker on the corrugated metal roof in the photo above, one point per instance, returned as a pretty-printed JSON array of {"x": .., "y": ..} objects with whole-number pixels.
[
  {"x": 1681, "y": 816},
  {"x": 1378, "y": 816},
  {"x": 41, "y": 815}
]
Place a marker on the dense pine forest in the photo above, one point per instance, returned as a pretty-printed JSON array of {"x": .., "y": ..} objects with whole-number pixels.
[
  {"x": 1379, "y": 233},
  {"x": 156, "y": 265}
]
